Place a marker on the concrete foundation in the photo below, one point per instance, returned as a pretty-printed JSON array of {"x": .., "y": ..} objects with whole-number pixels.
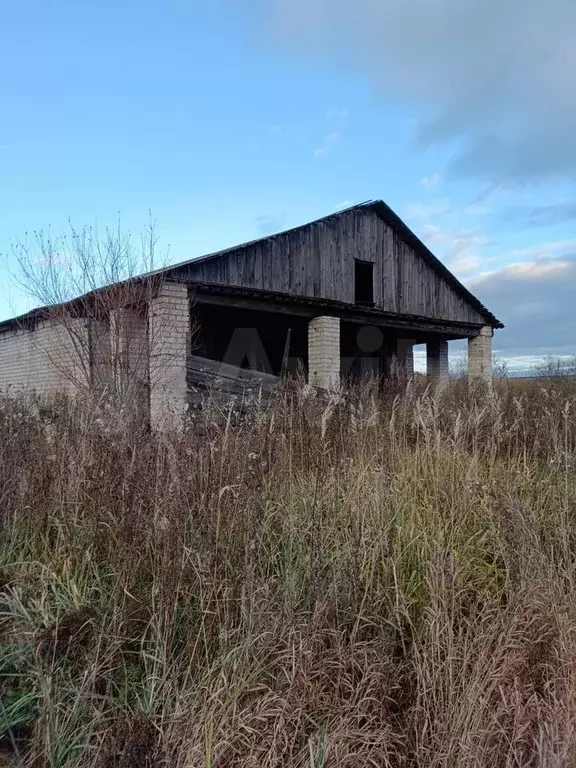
[
  {"x": 437, "y": 362},
  {"x": 480, "y": 356},
  {"x": 324, "y": 352}
]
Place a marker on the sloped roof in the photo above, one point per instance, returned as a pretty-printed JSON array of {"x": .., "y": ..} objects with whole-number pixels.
[
  {"x": 378, "y": 207},
  {"x": 403, "y": 230},
  {"x": 392, "y": 219}
]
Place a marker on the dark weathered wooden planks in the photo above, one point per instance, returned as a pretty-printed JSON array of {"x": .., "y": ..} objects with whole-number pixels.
[
  {"x": 318, "y": 261},
  {"x": 207, "y": 374}
]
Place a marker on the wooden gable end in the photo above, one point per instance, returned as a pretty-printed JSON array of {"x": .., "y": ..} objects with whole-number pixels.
[{"x": 318, "y": 261}]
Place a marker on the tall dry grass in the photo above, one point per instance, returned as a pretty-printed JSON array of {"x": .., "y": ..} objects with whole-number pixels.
[{"x": 378, "y": 579}]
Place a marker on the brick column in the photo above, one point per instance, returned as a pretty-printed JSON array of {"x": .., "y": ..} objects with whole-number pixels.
[
  {"x": 437, "y": 362},
  {"x": 324, "y": 352},
  {"x": 405, "y": 355},
  {"x": 480, "y": 356},
  {"x": 168, "y": 339}
]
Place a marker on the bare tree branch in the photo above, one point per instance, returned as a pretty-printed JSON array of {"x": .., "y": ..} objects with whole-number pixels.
[{"x": 95, "y": 301}]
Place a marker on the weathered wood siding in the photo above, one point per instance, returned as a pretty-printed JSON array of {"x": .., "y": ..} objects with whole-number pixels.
[
  {"x": 207, "y": 374},
  {"x": 318, "y": 261}
]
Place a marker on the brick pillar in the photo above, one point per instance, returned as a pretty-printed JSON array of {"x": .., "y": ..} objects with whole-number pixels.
[
  {"x": 480, "y": 356},
  {"x": 168, "y": 339},
  {"x": 437, "y": 362},
  {"x": 324, "y": 352},
  {"x": 405, "y": 355}
]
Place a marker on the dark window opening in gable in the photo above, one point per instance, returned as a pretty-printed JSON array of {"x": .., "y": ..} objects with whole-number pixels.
[{"x": 364, "y": 283}]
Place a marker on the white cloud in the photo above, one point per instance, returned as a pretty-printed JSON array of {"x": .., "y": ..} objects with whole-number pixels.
[
  {"x": 328, "y": 146},
  {"x": 461, "y": 249},
  {"x": 344, "y": 204},
  {"x": 497, "y": 77},
  {"x": 535, "y": 300},
  {"x": 539, "y": 269},
  {"x": 425, "y": 211},
  {"x": 555, "y": 250},
  {"x": 465, "y": 264},
  {"x": 438, "y": 225},
  {"x": 420, "y": 359},
  {"x": 432, "y": 182}
]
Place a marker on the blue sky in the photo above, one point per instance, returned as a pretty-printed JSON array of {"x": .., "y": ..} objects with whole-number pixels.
[{"x": 230, "y": 119}]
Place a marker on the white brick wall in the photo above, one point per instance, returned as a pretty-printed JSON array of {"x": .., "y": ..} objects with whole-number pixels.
[
  {"x": 437, "y": 362},
  {"x": 480, "y": 356},
  {"x": 49, "y": 357},
  {"x": 324, "y": 352},
  {"x": 101, "y": 350},
  {"x": 129, "y": 359},
  {"x": 169, "y": 340}
]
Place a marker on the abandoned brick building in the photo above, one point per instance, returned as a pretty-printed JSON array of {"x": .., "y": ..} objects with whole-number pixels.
[{"x": 343, "y": 296}]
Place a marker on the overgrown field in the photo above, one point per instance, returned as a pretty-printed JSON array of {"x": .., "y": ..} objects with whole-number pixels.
[{"x": 378, "y": 579}]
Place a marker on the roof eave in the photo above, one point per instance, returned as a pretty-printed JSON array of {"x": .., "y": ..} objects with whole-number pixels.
[{"x": 393, "y": 220}]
